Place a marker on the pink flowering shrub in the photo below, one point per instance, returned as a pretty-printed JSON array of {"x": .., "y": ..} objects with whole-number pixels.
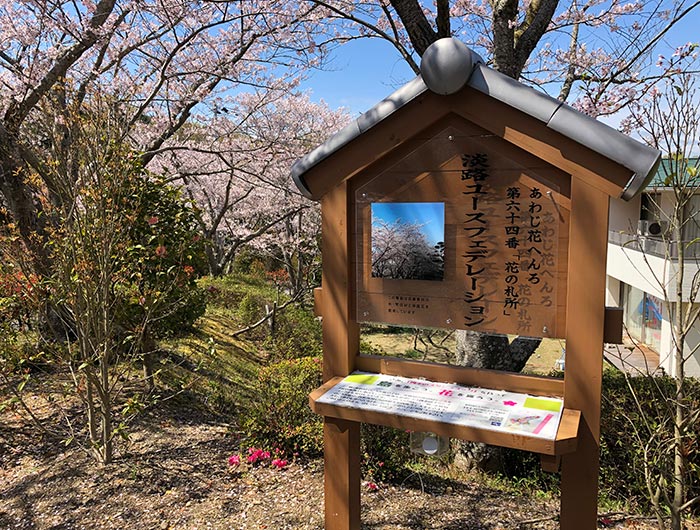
[
  {"x": 279, "y": 463},
  {"x": 258, "y": 457},
  {"x": 280, "y": 417}
]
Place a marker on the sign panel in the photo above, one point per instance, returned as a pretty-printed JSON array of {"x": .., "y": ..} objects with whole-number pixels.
[
  {"x": 458, "y": 235},
  {"x": 495, "y": 410}
]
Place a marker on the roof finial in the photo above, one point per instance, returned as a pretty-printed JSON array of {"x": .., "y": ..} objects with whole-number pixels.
[{"x": 447, "y": 65}]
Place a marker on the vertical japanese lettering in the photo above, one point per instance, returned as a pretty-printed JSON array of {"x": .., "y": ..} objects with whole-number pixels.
[
  {"x": 511, "y": 234},
  {"x": 475, "y": 223}
]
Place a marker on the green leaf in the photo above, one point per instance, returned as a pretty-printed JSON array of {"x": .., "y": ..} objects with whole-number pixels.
[
  {"x": 22, "y": 384},
  {"x": 694, "y": 241}
]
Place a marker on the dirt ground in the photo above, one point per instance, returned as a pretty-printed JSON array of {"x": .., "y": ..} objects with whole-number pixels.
[{"x": 174, "y": 475}]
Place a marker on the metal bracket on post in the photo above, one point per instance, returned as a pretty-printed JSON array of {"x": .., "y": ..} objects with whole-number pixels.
[
  {"x": 318, "y": 301},
  {"x": 612, "y": 327}
]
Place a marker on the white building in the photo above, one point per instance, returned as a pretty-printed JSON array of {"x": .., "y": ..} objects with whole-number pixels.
[{"x": 642, "y": 270}]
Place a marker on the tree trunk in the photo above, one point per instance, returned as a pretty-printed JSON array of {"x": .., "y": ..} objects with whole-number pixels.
[
  {"x": 417, "y": 26},
  {"x": 24, "y": 206},
  {"x": 107, "y": 449},
  {"x": 491, "y": 352},
  {"x": 148, "y": 351},
  {"x": 682, "y": 327},
  {"x": 105, "y": 395},
  {"x": 91, "y": 412},
  {"x": 215, "y": 268}
]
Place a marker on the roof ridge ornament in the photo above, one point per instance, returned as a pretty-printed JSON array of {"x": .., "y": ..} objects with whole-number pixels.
[{"x": 447, "y": 65}]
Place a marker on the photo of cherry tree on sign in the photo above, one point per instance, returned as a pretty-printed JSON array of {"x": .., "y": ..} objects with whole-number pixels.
[{"x": 408, "y": 240}]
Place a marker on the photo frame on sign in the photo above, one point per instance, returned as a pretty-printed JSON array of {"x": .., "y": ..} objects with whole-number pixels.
[{"x": 408, "y": 240}]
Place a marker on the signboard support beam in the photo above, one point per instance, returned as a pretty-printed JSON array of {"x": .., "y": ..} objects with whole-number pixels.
[
  {"x": 341, "y": 343},
  {"x": 341, "y": 439},
  {"x": 584, "y": 352}
]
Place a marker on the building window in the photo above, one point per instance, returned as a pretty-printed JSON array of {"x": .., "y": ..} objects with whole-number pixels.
[
  {"x": 632, "y": 302},
  {"x": 643, "y": 315},
  {"x": 691, "y": 219},
  {"x": 651, "y": 207},
  {"x": 653, "y": 317}
]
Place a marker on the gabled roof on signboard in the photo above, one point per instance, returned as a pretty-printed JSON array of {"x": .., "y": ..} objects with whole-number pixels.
[{"x": 447, "y": 66}]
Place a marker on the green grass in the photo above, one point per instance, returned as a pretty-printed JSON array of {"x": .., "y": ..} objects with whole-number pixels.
[
  {"x": 210, "y": 362},
  {"x": 401, "y": 342}
]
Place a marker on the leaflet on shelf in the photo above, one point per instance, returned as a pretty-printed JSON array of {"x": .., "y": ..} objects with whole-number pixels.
[{"x": 483, "y": 408}]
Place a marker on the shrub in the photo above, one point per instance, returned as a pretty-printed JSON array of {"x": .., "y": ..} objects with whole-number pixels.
[
  {"x": 182, "y": 318},
  {"x": 297, "y": 334},
  {"x": 243, "y": 261},
  {"x": 280, "y": 418},
  {"x": 525, "y": 470},
  {"x": 279, "y": 415},
  {"x": 250, "y": 309},
  {"x": 257, "y": 269},
  {"x": 385, "y": 451},
  {"x": 621, "y": 459},
  {"x": 161, "y": 258}
]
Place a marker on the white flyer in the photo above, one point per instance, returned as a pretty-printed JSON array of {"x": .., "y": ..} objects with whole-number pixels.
[{"x": 483, "y": 408}]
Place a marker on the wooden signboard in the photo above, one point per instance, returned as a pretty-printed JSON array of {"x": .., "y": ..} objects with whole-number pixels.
[
  {"x": 494, "y": 226},
  {"x": 457, "y": 235},
  {"x": 470, "y": 209}
]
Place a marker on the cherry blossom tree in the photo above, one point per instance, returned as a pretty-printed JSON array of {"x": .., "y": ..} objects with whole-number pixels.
[
  {"x": 401, "y": 251},
  {"x": 236, "y": 169},
  {"x": 163, "y": 61},
  {"x": 600, "y": 55}
]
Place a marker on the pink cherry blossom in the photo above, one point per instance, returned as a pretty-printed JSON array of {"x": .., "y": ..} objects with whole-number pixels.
[{"x": 238, "y": 175}]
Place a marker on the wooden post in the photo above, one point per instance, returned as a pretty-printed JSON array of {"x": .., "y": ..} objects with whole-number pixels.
[
  {"x": 584, "y": 352},
  {"x": 341, "y": 340},
  {"x": 341, "y": 451}
]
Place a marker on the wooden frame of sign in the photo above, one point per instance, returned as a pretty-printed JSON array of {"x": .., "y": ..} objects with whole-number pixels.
[{"x": 581, "y": 182}]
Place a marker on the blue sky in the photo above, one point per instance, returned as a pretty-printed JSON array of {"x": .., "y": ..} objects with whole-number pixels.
[
  {"x": 363, "y": 72},
  {"x": 429, "y": 214}
]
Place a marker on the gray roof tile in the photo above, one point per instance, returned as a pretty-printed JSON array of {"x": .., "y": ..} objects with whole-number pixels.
[{"x": 640, "y": 159}]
